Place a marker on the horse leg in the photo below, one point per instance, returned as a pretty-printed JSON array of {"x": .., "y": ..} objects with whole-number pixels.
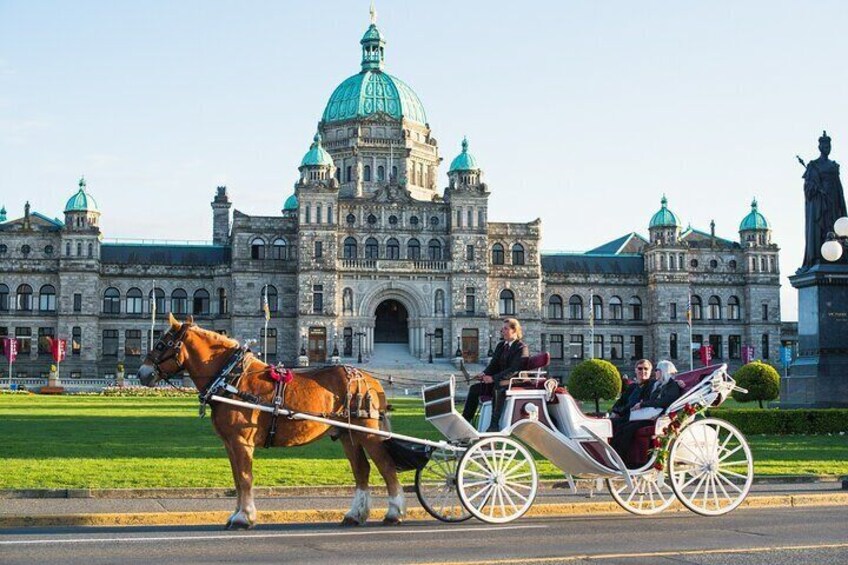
[
  {"x": 241, "y": 461},
  {"x": 232, "y": 459},
  {"x": 386, "y": 465},
  {"x": 361, "y": 506}
]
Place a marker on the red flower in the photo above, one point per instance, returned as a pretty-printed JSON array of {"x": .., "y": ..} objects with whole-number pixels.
[
  {"x": 687, "y": 406},
  {"x": 675, "y": 424},
  {"x": 673, "y": 415},
  {"x": 658, "y": 466},
  {"x": 665, "y": 430},
  {"x": 655, "y": 442}
]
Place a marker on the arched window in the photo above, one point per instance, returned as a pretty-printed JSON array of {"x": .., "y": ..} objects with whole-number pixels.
[
  {"x": 111, "y": 301},
  {"x": 273, "y": 298},
  {"x": 555, "y": 307},
  {"x": 434, "y": 250},
  {"x": 90, "y": 250},
  {"x": 394, "y": 172},
  {"x": 4, "y": 298},
  {"x": 497, "y": 254},
  {"x": 439, "y": 302},
  {"x": 392, "y": 249},
  {"x": 381, "y": 173},
  {"x": 598, "y": 307},
  {"x": 367, "y": 172},
  {"x": 47, "y": 298},
  {"x": 257, "y": 248},
  {"x": 507, "y": 303},
  {"x": 280, "y": 249},
  {"x": 200, "y": 302},
  {"x": 413, "y": 249},
  {"x": 715, "y": 308},
  {"x": 697, "y": 312},
  {"x": 734, "y": 312},
  {"x": 329, "y": 214},
  {"x": 135, "y": 301},
  {"x": 372, "y": 248},
  {"x": 156, "y": 299},
  {"x": 517, "y": 254},
  {"x": 179, "y": 301},
  {"x": 318, "y": 215},
  {"x": 575, "y": 308},
  {"x": 347, "y": 301},
  {"x": 616, "y": 308},
  {"x": 635, "y": 308},
  {"x": 350, "y": 248},
  {"x": 68, "y": 248}
]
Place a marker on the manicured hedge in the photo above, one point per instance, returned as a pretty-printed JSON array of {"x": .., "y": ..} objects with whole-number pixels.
[{"x": 800, "y": 421}]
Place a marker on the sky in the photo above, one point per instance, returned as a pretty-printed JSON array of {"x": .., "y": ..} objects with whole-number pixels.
[{"x": 581, "y": 113}]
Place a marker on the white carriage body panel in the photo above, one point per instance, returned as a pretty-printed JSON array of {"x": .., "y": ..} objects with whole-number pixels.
[
  {"x": 440, "y": 410},
  {"x": 572, "y": 422}
]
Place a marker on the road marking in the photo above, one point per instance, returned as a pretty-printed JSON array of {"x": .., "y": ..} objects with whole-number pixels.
[
  {"x": 602, "y": 556},
  {"x": 236, "y": 537}
]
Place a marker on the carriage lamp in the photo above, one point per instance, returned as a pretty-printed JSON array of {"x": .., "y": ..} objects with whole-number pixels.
[
  {"x": 831, "y": 249},
  {"x": 359, "y": 336},
  {"x": 429, "y": 336},
  {"x": 491, "y": 352}
]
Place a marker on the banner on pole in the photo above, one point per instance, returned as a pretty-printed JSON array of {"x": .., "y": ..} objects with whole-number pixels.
[
  {"x": 10, "y": 347},
  {"x": 786, "y": 355},
  {"x": 58, "y": 348},
  {"x": 747, "y": 354},
  {"x": 706, "y": 354}
]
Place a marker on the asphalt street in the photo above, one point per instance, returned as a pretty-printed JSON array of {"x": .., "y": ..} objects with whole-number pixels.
[{"x": 753, "y": 536}]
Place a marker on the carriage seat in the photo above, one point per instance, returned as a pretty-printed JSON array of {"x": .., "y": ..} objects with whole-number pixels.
[
  {"x": 571, "y": 420},
  {"x": 533, "y": 372}
]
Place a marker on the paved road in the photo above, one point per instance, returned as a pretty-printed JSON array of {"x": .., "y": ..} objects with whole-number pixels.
[{"x": 768, "y": 536}]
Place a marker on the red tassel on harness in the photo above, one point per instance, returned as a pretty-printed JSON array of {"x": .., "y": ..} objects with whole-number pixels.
[{"x": 286, "y": 376}]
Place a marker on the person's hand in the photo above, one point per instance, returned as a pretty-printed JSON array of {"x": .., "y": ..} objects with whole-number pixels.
[
  {"x": 637, "y": 406},
  {"x": 486, "y": 379}
]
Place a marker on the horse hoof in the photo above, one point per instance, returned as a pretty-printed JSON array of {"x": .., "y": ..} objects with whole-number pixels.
[
  {"x": 391, "y": 521},
  {"x": 348, "y": 522},
  {"x": 239, "y": 525}
]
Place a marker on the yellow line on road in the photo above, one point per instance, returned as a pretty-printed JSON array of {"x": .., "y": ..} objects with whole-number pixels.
[{"x": 602, "y": 556}]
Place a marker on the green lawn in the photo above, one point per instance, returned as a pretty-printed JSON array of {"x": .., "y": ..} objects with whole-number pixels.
[{"x": 108, "y": 442}]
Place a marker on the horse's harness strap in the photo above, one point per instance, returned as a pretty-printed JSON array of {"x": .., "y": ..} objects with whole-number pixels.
[{"x": 224, "y": 380}]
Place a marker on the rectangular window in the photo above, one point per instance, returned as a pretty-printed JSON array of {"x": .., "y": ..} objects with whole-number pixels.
[
  {"x": 575, "y": 346},
  {"x": 672, "y": 346},
  {"x": 317, "y": 298},
  {"x": 24, "y": 337},
  {"x": 4, "y": 332},
  {"x": 556, "y": 346},
  {"x": 616, "y": 310},
  {"x": 44, "y": 337},
  {"x": 110, "y": 343},
  {"x": 459, "y": 218},
  {"x": 470, "y": 219},
  {"x": 271, "y": 348},
  {"x": 4, "y": 298},
  {"x": 697, "y": 341},
  {"x": 715, "y": 345},
  {"x": 319, "y": 249},
  {"x": 76, "y": 340},
  {"x": 617, "y": 347},
  {"x": 157, "y": 335},
  {"x": 132, "y": 343},
  {"x": 77, "y": 302},
  {"x": 598, "y": 351},
  {"x": 347, "y": 336},
  {"x": 469, "y": 252},
  {"x": 470, "y": 300},
  {"x": 734, "y": 346},
  {"x": 765, "y": 312},
  {"x": 672, "y": 311},
  {"x": 637, "y": 343},
  {"x": 439, "y": 342},
  {"x": 765, "y": 346}
]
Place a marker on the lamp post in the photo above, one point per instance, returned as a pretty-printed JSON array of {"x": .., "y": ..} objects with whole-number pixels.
[
  {"x": 335, "y": 344},
  {"x": 831, "y": 249},
  {"x": 458, "y": 347},
  {"x": 303, "y": 344},
  {"x": 359, "y": 335},
  {"x": 491, "y": 352},
  {"x": 429, "y": 336}
]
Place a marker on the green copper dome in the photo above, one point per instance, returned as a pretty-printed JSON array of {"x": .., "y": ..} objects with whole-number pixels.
[
  {"x": 665, "y": 217},
  {"x": 465, "y": 161},
  {"x": 82, "y": 201},
  {"x": 754, "y": 220},
  {"x": 3, "y": 214},
  {"x": 291, "y": 203},
  {"x": 317, "y": 156}
]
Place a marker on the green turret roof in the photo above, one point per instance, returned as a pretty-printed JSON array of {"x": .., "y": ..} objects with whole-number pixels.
[
  {"x": 317, "y": 156},
  {"x": 82, "y": 201},
  {"x": 754, "y": 220},
  {"x": 3, "y": 214},
  {"x": 291, "y": 203},
  {"x": 465, "y": 161},
  {"x": 664, "y": 217}
]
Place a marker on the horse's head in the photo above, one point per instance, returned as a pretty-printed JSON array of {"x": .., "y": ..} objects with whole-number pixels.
[{"x": 168, "y": 356}]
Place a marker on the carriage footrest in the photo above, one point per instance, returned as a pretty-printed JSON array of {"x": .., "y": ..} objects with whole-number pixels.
[{"x": 408, "y": 456}]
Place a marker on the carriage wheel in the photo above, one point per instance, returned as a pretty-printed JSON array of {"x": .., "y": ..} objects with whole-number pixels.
[
  {"x": 651, "y": 493},
  {"x": 435, "y": 486},
  {"x": 497, "y": 480},
  {"x": 711, "y": 467}
]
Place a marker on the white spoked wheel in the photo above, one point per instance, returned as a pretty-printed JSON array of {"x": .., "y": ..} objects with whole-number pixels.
[
  {"x": 710, "y": 467},
  {"x": 497, "y": 480},
  {"x": 435, "y": 486},
  {"x": 651, "y": 493}
]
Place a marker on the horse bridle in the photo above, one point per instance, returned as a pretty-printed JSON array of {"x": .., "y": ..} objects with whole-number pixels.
[{"x": 166, "y": 349}]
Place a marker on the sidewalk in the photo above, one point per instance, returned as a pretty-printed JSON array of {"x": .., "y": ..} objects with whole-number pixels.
[{"x": 312, "y": 505}]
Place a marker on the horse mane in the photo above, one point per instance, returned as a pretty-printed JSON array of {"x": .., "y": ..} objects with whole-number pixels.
[{"x": 215, "y": 337}]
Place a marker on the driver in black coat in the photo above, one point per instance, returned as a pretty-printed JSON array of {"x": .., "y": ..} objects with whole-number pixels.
[{"x": 510, "y": 357}]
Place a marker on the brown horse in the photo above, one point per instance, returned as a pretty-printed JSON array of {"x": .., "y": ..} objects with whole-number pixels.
[{"x": 202, "y": 354}]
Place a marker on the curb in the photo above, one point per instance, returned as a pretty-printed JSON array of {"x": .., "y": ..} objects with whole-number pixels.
[
  {"x": 329, "y": 490},
  {"x": 218, "y": 518}
]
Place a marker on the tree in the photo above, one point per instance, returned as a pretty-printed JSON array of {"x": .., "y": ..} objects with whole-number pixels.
[
  {"x": 762, "y": 381},
  {"x": 595, "y": 379}
]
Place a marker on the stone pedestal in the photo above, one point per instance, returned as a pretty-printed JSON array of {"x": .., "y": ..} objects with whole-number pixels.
[
  {"x": 335, "y": 360},
  {"x": 819, "y": 376},
  {"x": 303, "y": 361}
]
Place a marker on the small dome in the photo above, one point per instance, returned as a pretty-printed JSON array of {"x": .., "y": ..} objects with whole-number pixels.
[
  {"x": 317, "y": 156},
  {"x": 291, "y": 203},
  {"x": 372, "y": 34},
  {"x": 664, "y": 218},
  {"x": 3, "y": 214},
  {"x": 754, "y": 220},
  {"x": 82, "y": 201},
  {"x": 465, "y": 161}
]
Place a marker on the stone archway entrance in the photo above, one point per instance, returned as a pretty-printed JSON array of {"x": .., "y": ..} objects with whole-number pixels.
[{"x": 392, "y": 323}]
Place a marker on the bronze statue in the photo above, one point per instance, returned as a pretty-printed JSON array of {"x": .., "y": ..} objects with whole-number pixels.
[{"x": 825, "y": 201}]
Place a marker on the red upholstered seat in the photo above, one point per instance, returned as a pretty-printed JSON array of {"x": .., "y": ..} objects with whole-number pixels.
[
  {"x": 538, "y": 361},
  {"x": 689, "y": 379}
]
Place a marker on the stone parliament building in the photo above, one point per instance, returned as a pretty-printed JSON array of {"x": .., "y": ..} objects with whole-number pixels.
[{"x": 369, "y": 250}]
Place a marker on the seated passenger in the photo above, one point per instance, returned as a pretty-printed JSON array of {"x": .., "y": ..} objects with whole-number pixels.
[
  {"x": 510, "y": 357},
  {"x": 633, "y": 393},
  {"x": 644, "y": 413}
]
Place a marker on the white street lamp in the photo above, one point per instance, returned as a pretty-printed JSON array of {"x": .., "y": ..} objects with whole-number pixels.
[{"x": 831, "y": 249}]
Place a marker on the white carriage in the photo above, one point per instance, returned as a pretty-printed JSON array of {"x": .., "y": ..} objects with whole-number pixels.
[{"x": 493, "y": 477}]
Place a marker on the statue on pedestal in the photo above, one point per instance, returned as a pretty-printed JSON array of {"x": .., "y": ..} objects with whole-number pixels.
[{"x": 825, "y": 202}]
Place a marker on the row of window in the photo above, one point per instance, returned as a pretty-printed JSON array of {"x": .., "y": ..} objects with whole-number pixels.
[
  {"x": 575, "y": 308},
  {"x": 499, "y": 256},
  {"x": 26, "y": 301},
  {"x": 435, "y": 250},
  {"x": 555, "y": 345}
]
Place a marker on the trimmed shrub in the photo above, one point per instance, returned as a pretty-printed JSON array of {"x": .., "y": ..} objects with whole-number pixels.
[
  {"x": 761, "y": 380},
  {"x": 785, "y": 422},
  {"x": 595, "y": 379}
]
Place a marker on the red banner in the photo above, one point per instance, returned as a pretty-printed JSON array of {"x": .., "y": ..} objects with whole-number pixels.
[
  {"x": 747, "y": 354},
  {"x": 706, "y": 354},
  {"x": 10, "y": 348},
  {"x": 58, "y": 348}
]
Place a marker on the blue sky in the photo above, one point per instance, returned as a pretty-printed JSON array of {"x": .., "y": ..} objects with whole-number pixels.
[{"x": 581, "y": 113}]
